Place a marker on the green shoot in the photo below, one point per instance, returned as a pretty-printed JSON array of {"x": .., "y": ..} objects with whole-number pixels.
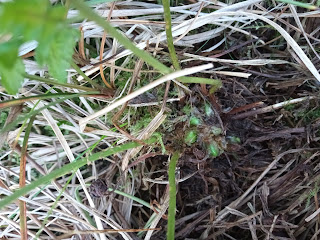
[{"x": 172, "y": 194}]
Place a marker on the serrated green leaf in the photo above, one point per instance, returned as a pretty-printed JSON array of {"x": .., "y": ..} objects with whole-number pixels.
[
  {"x": 9, "y": 53},
  {"x": 12, "y": 78},
  {"x": 24, "y": 18},
  {"x": 50, "y": 33},
  {"x": 60, "y": 53},
  {"x": 11, "y": 66}
]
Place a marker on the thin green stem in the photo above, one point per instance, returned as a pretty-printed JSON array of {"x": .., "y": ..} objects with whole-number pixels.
[
  {"x": 45, "y": 220},
  {"x": 167, "y": 18},
  {"x": 34, "y": 112},
  {"x": 172, "y": 195},
  {"x": 79, "y": 71},
  {"x": 13, "y": 102},
  {"x": 200, "y": 80},
  {"x": 52, "y": 82},
  {"x": 88, "y": 150},
  {"x": 87, "y": 12},
  {"x": 85, "y": 213},
  {"x": 71, "y": 167},
  {"x": 299, "y": 4}
]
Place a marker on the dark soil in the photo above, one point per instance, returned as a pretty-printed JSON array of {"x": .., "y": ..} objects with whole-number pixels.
[{"x": 277, "y": 153}]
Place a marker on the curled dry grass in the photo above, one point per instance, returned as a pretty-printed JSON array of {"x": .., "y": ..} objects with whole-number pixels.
[{"x": 264, "y": 187}]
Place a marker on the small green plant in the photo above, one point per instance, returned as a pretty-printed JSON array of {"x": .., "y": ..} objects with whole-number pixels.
[
  {"x": 201, "y": 132},
  {"x": 213, "y": 149},
  {"x": 190, "y": 137}
]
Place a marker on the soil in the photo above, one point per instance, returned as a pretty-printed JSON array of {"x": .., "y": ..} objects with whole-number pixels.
[{"x": 281, "y": 201}]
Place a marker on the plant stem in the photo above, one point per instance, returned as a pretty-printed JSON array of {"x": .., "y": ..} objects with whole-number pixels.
[
  {"x": 299, "y": 4},
  {"x": 90, "y": 14},
  {"x": 13, "y": 102},
  {"x": 52, "y": 82},
  {"x": 167, "y": 18},
  {"x": 79, "y": 71},
  {"x": 22, "y": 117},
  {"x": 172, "y": 195},
  {"x": 87, "y": 12},
  {"x": 71, "y": 167},
  {"x": 22, "y": 182}
]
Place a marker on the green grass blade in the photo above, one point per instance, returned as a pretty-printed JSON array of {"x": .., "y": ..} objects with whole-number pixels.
[
  {"x": 299, "y": 4},
  {"x": 77, "y": 192},
  {"x": 75, "y": 66},
  {"x": 215, "y": 82},
  {"x": 22, "y": 117},
  {"x": 56, "y": 83},
  {"x": 13, "y": 102},
  {"x": 86, "y": 214},
  {"x": 45, "y": 220},
  {"x": 87, "y": 12},
  {"x": 172, "y": 195},
  {"x": 167, "y": 18},
  {"x": 93, "y": 2},
  {"x": 71, "y": 167}
]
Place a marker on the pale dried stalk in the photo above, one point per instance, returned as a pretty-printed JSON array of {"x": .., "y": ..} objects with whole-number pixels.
[{"x": 84, "y": 121}]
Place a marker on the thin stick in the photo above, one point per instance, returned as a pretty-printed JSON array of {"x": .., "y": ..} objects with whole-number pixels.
[{"x": 272, "y": 107}]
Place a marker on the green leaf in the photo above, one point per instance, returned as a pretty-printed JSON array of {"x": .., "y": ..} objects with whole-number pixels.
[
  {"x": 24, "y": 18},
  {"x": 9, "y": 53},
  {"x": 11, "y": 66},
  {"x": 11, "y": 78},
  {"x": 22, "y": 21},
  {"x": 194, "y": 121},
  {"x": 213, "y": 149},
  {"x": 191, "y": 137},
  {"x": 51, "y": 32},
  {"x": 57, "y": 54}
]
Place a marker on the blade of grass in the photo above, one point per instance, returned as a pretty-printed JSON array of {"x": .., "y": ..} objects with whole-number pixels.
[
  {"x": 30, "y": 114},
  {"x": 45, "y": 220},
  {"x": 71, "y": 167},
  {"x": 172, "y": 194},
  {"x": 13, "y": 102},
  {"x": 77, "y": 191},
  {"x": 24, "y": 123},
  {"x": 81, "y": 73},
  {"x": 299, "y": 4},
  {"x": 86, "y": 214},
  {"x": 87, "y": 12},
  {"x": 22, "y": 182},
  {"x": 56, "y": 83},
  {"x": 167, "y": 18},
  {"x": 93, "y": 2}
]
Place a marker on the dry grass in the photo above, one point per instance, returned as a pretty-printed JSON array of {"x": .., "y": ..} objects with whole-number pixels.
[{"x": 266, "y": 187}]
